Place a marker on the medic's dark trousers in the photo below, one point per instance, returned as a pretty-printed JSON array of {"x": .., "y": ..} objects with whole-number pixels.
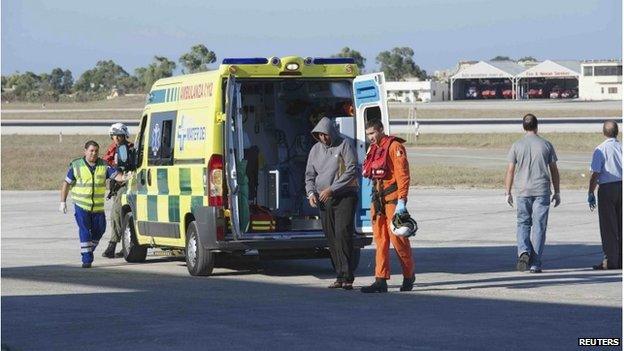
[
  {"x": 337, "y": 218},
  {"x": 91, "y": 227},
  {"x": 610, "y": 215}
]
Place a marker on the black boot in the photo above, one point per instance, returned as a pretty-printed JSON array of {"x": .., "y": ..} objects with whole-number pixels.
[
  {"x": 110, "y": 250},
  {"x": 379, "y": 286},
  {"x": 408, "y": 284}
]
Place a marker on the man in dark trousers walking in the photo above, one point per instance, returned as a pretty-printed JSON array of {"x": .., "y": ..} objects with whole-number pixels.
[
  {"x": 331, "y": 185},
  {"x": 606, "y": 168}
]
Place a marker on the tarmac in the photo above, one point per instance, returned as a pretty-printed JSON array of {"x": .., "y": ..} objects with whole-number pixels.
[{"x": 468, "y": 295}]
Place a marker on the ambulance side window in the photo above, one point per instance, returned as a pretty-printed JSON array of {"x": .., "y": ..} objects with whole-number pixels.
[
  {"x": 372, "y": 113},
  {"x": 166, "y": 155},
  {"x": 140, "y": 141},
  {"x": 160, "y": 148}
]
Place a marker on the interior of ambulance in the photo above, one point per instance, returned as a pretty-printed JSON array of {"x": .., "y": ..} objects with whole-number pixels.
[{"x": 269, "y": 136}]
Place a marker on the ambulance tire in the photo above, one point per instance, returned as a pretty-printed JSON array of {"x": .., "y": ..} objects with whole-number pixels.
[
  {"x": 199, "y": 261},
  {"x": 132, "y": 251},
  {"x": 355, "y": 256}
]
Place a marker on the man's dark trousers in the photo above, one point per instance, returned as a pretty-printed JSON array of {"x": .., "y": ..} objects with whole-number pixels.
[
  {"x": 337, "y": 216},
  {"x": 610, "y": 215}
]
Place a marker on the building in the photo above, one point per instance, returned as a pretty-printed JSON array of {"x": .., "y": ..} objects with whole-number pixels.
[
  {"x": 413, "y": 91},
  {"x": 549, "y": 79},
  {"x": 446, "y": 74},
  {"x": 485, "y": 79},
  {"x": 601, "y": 80}
]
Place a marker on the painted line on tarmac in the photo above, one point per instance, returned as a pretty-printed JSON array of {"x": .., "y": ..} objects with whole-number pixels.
[
  {"x": 67, "y": 123},
  {"x": 496, "y": 121}
]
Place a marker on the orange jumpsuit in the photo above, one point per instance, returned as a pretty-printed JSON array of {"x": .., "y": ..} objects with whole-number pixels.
[{"x": 398, "y": 174}]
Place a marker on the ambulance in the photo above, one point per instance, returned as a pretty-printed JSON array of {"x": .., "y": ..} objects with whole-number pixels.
[{"x": 221, "y": 156}]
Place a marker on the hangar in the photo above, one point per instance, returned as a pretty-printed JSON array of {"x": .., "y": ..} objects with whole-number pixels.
[
  {"x": 486, "y": 79},
  {"x": 549, "y": 79}
]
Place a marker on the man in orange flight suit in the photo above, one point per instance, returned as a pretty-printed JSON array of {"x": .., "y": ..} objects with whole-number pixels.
[{"x": 389, "y": 198}]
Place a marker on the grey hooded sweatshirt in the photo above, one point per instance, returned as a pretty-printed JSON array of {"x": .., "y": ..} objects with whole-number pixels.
[{"x": 332, "y": 166}]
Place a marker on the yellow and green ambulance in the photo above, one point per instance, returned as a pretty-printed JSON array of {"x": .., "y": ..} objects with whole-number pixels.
[{"x": 221, "y": 158}]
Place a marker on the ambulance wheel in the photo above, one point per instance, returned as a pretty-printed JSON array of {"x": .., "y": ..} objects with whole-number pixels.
[
  {"x": 355, "y": 256},
  {"x": 132, "y": 251},
  {"x": 199, "y": 261}
]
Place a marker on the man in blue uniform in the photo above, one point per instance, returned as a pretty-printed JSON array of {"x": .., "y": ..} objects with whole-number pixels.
[{"x": 86, "y": 179}]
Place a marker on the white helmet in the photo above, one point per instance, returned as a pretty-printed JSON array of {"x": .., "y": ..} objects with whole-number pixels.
[
  {"x": 119, "y": 129},
  {"x": 403, "y": 225}
]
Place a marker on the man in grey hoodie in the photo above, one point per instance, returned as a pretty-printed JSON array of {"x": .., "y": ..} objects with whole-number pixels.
[{"x": 331, "y": 184}]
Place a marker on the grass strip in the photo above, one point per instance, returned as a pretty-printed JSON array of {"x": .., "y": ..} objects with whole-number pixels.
[
  {"x": 39, "y": 162},
  {"x": 445, "y": 176},
  {"x": 578, "y": 142}
]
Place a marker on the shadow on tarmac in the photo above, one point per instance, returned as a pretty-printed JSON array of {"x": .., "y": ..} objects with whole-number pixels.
[{"x": 155, "y": 311}]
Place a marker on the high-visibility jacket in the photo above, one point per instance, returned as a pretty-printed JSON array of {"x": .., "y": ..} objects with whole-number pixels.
[{"x": 90, "y": 186}]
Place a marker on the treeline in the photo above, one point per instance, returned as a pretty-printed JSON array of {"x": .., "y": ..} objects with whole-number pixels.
[{"x": 99, "y": 81}]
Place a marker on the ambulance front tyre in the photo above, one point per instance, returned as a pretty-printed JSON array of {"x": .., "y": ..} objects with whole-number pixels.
[
  {"x": 132, "y": 251},
  {"x": 199, "y": 261}
]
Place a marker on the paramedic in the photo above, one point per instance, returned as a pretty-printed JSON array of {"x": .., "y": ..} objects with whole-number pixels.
[
  {"x": 332, "y": 185},
  {"x": 391, "y": 180},
  {"x": 86, "y": 179},
  {"x": 119, "y": 134}
]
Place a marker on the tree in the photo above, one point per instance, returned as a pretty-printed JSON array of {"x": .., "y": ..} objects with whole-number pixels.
[
  {"x": 55, "y": 79},
  {"x": 528, "y": 58},
  {"x": 24, "y": 83},
  {"x": 68, "y": 82},
  {"x": 398, "y": 64},
  {"x": 501, "y": 58},
  {"x": 130, "y": 84},
  {"x": 360, "y": 61},
  {"x": 104, "y": 76},
  {"x": 198, "y": 59},
  {"x": 162, "y": 67}
]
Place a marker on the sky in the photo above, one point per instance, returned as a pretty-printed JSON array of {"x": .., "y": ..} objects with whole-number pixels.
[{"x": 40, "y": 35}]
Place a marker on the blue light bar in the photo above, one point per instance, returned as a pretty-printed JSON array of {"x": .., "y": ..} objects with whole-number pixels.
[
  {"x": 332, "y": 60},
  {"x": 245, "y": 61}
]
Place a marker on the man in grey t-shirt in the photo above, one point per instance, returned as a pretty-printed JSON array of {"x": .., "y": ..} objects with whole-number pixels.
[{"x": 532, "y": 163}]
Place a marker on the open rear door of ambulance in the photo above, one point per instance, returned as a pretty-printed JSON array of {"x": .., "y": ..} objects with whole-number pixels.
[
  {"x": 370, "y": 103},
  {"x": 231, "y": 144}
]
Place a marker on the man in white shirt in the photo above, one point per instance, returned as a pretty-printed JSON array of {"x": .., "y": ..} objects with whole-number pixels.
[{"x": 606, "y": 168}]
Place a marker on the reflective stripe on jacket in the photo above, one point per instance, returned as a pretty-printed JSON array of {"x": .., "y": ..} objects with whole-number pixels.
[{"x": 90, "y": 186}]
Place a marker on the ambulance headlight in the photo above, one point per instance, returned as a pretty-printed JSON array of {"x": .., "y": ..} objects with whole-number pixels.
[{"x": 293, "y": 66}]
